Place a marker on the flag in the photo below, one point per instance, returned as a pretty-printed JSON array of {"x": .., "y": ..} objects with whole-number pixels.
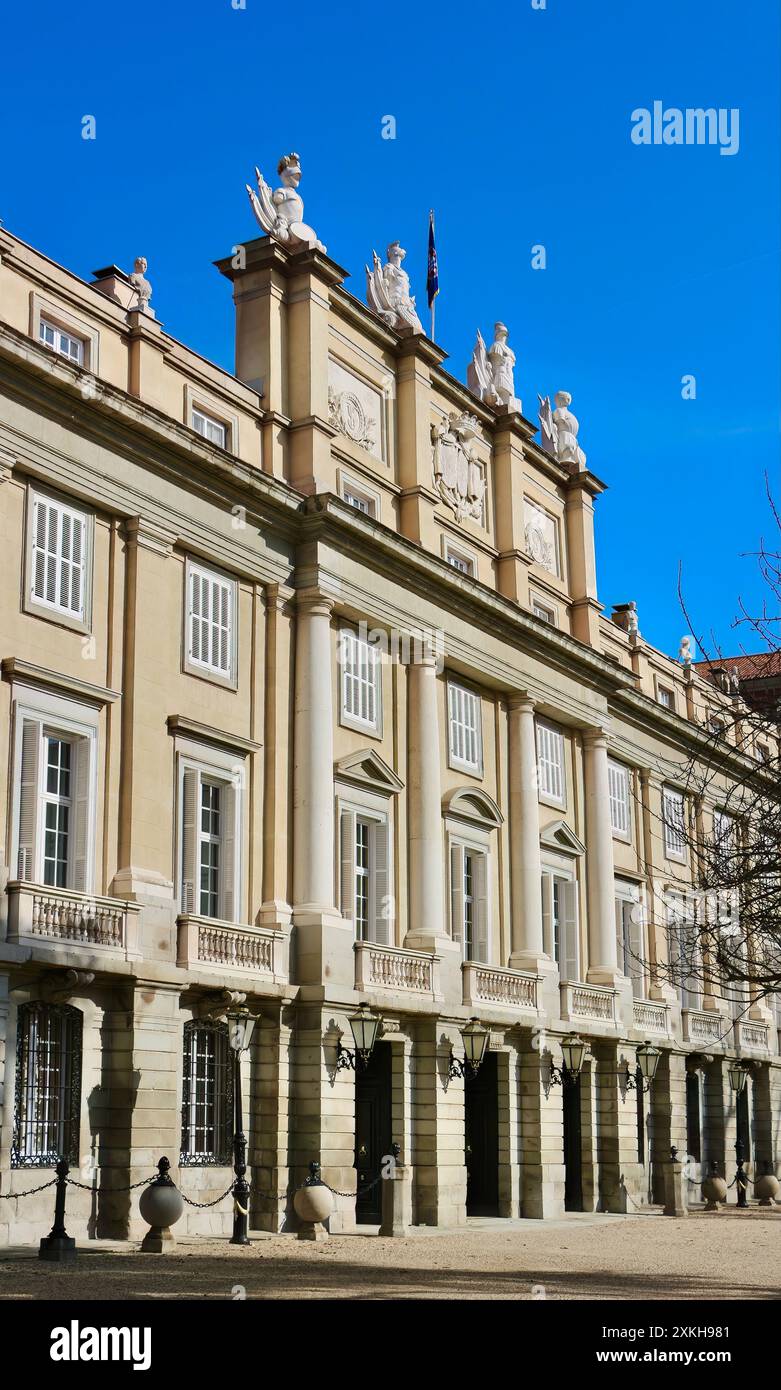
[{"x": 432, "y": 279}]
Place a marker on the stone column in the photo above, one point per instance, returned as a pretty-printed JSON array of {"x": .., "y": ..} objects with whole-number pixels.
[
  {"x": 324, "y": 940},
  {"x": 528, "y": 949},
  {"x": 426, "y": 847},
  {"x": 542, "y": 1130},
  {"x": 600, "y": 875},
  {"x": 313, "y": 774}
]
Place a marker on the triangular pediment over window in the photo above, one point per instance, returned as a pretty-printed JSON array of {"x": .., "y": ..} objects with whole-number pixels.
[
  {"x": 558, "y": 836},
  {"x": 367, "y": 769},
  {"x": 472, "y": 804}
]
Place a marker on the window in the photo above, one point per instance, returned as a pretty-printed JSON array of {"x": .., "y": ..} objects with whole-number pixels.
[
  {"x": 469, "y": 900},
  {"x": 210, "y": 840},
  {"x": 59, "y": 341},
  {"x": 459, "y": 562},
  {"x": 361, "y": 669},
  {"x": 359, "y": 495},
  {"x": 48, "y": 1086},
  {"x": 716, "y": 726},
  {"x": 618, "y": 791},
  {"x": 560, "y": 922},
  {"x": 213, "y": 430},
  {"x": 683, "y": 956},
  {"x": 465, "y": 734},
  {"x": 673, "y": 822},
  {"x": 207, "y": 1094},
  {"x": 211, "y": 635},
  {"x": 543, "y": 612},
  {"x": 665, "y": 696},
  {"x": 365, "y": 874},
  {"x": 630, "y": 941},
  {"x": 361, "y": 504},
  {"x": 58, "y": 557},
  {"x": 763, "y": 753},
  {"x": 550, "y": 764},
  {"x": 55, "y": 793}
]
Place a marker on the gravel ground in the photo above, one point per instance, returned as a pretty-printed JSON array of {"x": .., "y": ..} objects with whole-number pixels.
[{"x": 724, "y": 1255}]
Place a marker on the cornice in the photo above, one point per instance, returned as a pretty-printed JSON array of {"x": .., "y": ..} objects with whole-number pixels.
[
  {"x": 180, "y": 725},
  {"x": 15, "y": 668}
]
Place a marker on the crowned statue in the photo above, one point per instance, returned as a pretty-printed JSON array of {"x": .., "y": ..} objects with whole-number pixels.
[
  {"x": 387, "y": 291},
  {"x": 281, "y": 213},
  {"x": 559, "y": 430},
  {"x": 490, "y": 373}
]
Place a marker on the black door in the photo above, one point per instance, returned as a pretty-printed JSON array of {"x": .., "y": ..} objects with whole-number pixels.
[
  {"x": 573, "y": 1156},
  {"x": 373, "y": 1131},
  {"x": 481, "y": 1103}
]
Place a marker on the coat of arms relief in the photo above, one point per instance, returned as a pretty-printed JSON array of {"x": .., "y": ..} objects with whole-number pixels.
[
  {"x": 348, "y": 416},
  {"x": 458, "y": 476}
]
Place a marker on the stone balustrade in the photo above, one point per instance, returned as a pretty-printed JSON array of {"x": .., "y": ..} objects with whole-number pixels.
[
  {"x": 506, "y": 989},
  {"x": 594, "y": 1002},
  {"x": 50, "y": 916},
  {"x": 649, "y": 1016},
  {"x": 210, "y": 944},
  {"x": 702, "y": 1026},
  {"x": 395, "y": 968},
  {"x": 752, "y": 1035}
]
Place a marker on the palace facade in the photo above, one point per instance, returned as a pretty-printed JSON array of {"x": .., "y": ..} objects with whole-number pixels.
[{"x": 308, "y": 699}]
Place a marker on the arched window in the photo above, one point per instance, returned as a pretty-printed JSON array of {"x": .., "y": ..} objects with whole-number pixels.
[
  {"x": 207, "y": 1094},
  {"x": 48, "y": 1086}
]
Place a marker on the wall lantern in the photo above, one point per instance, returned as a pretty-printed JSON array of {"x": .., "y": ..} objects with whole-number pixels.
[
  {"x": 647, "y": 1061},
  {"x": 475, "y": 1039},
  {"x": 737, "y": 1073},
  {"x": 573, "y": 1052},
  {"x": 364, "y": 1026},
  {"x": 240, "y": 1028}
]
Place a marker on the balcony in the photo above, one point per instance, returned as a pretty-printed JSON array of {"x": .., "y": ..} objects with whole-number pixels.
[
  {"x": 38, "y": 915},
  {"x": 751, "y": 1036},
  {"x": 395, "y": 969},
  {"x": 506, "y": 989},
  {"x": 704, "y": 1027},
  {"x": 206, "y": 943},
  {"x": 650, "y": 1017},
  {"x": 597, "y": 1003}
]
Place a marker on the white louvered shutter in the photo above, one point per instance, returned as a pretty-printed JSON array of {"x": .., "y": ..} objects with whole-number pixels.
[
  {"x": 457, "y": 893},
  {"x": 382, "y": 904},
  {"x": 347, "y": 864},
  {"x": 637, "y": 949},
  {"x": 550, "y": 762},
  {"x": 618, "y": 791},
  {"x": 231, "y": 798},
  {"x": 570, "y": 943},
  {"x": 211, "y": 619},
  {"x": 29, "y": 799},
  {"x": 191, "y": 810},
  {"x": 480, "y": 862},
  {"x": 58, "y": 556},
  {"x": 82, "y": 750},
  {"x": 546, "y": 888}
]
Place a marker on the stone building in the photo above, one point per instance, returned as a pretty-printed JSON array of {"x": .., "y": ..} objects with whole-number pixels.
[{"x": 308, "y": 697}]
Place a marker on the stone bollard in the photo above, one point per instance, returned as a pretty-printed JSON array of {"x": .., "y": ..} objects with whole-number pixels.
[
  {"x": 313, "y": 1204},
  {"x": 160, "y": 1204},
  {"x": 714, "y": 1190},
  {"x": 675, "y": 1201},
  {"x": 767, "y": 1186},
  {"x": 396, "y": 1195}
]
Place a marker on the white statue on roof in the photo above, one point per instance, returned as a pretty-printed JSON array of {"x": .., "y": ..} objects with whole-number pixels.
[
  {"x": 490, "y": 374},
  {"x": 685, "y": 653},
  {"x": 281, "y": 213},
  {"x": 387, "y": 291},
  {"x": 559, "y": 430}
]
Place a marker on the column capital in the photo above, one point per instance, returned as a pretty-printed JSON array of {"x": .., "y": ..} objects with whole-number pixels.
[
  {"x": 596, "y": 735},
  {"x": 141, "y": 531},
  {"x": 520, "y": 700},
  {"x": 314, "y": 602}
]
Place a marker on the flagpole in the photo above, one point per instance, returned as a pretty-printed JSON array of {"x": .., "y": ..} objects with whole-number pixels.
[{"x": 433, "y": 307}]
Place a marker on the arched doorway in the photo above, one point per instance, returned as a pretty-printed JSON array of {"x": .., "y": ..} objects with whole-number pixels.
[
  {"x": 373, "y": 1132},
  {"x": 481, "y": 1116}
]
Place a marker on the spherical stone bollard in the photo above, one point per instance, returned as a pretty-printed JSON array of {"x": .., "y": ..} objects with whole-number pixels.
[
  {"x": 313, "y": 1204},
  {"x": 714, "y": 1190},
  {"x": 161, "y": 1205},
  {"x": 766, "y": 1188}
]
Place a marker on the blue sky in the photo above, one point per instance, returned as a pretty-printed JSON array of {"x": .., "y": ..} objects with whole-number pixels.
[{"x": 513, "y": 123}]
